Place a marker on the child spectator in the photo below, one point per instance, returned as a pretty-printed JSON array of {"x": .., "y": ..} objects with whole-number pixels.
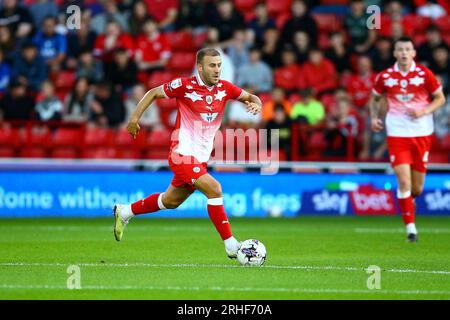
[{"x": 49, "y": 107}]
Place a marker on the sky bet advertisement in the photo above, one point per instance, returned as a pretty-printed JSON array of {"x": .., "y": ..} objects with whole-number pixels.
[{"x": 93, "y": 194}]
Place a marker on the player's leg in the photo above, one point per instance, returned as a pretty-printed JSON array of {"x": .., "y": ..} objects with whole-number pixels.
[
  {"x": 405, "y": 199},
  {"x": 212, "y": 189},
  {"x": 417, "y": 183},
  {"x": 170, "y": 199}
]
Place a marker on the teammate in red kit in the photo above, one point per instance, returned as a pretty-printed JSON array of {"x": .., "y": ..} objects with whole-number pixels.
[
  {"x": 412, "y": 94},
  {"x": 201, "y": 103}
]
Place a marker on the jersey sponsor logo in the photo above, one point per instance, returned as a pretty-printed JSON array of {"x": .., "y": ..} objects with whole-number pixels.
[
  {"x": 209, "y": 117},
  {"x": 194, "y": 96},
  {"x": 175, "y": 84},
  {"x": 404, "y": 97},
  {"x": 373, "y": 201}
]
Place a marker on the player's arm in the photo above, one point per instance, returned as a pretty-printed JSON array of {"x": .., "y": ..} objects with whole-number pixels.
[
  {"x": 153, "y": 94},
  {"x": 375, "y": 119},
  {"x": 437, "y": 102},
  {"x": 254, "y": 104}
]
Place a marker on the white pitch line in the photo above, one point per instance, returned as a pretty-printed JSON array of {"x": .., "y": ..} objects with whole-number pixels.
[
  {"x": 232, "y": 289},
  {"x": 398, "y": 230},
  {"x": 192, "y": 265}
]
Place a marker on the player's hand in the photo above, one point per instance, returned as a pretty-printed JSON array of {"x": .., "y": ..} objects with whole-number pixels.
[
  {"x": 377, "y": 124},
  {"x": 133, "y": 128},
  {"x": 252, "y": 107},
  {"x": 416, "y": 113}
]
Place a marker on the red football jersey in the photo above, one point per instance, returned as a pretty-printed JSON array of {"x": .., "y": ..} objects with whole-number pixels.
[
  {"x": 405, "y": 91},
  {"x": 200, "y": 112}
]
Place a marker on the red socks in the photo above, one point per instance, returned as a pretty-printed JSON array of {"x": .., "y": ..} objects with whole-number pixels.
[
  {"x": 407, "y": 207},
  {"x": 147, "y": 205},
  {"x": 219, "y": 218}
]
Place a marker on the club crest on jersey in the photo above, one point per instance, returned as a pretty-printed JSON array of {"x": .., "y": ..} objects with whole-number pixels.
[
  {"x": 209, "y": 117},
  {"x": 175, "y": 84},
  {"x": 209, "y": 99},
  {"x": 404, "y": 83}
]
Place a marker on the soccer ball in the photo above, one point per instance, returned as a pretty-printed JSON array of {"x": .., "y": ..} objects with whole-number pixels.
[{"x": 252, "y": 253}]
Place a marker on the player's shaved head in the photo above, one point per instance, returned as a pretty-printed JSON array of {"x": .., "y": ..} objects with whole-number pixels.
[{"x": 206, "y": 52}]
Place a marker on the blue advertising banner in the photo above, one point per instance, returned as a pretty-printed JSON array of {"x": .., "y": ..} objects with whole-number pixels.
[{"x": 93, "y": 194}]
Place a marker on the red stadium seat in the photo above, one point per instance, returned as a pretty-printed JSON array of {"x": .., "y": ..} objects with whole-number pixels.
[
  {"x": 7, "y": 152},
  {"x": 99, "y": 153},
  {"x": 38, "y": 136},
  {"x": 180, "y": 41},
  {"x": 10, "y": 137},
  {"x": 445, "y": 142},
  {"x": 64, "y": 153},
  {"x": 245, "y": 5},
  {"x": 65, "y": 80},
  {"x": 182, "y": 62},
  {"x": 124, "y": 139},
  {"x": 439, "y": 157},
  {"x": 98, "y": 137},
  {"x": 277, "y": 7},
  {"x": 443, "y": 23},
  {"x": 419, "y": 23},
  {"x": 157, "y": 154},
  {"x": 318, "y": 141},
  {"x": 126, "y": 153},
  {"x": 158, "y": 78},
  {"x": 281, "y": 20},
  {"x": 327, "y": 22},
  {"x": 65, "y": 137},
  {"x": 159, "y": 139},
  {"x": 33, "y": 152}
]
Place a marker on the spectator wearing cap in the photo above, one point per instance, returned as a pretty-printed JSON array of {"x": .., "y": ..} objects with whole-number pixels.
[
  {"x": 16, "y": 104},
  {"x": 52, "y": 46},
  {"x": 255, "y": 74},
  {"x": 319, "y": 73},
  {"x": 29, "y": 68}
]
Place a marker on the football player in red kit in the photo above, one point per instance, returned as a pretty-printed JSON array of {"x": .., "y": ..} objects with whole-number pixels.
[
  {"x": 412, "y": 94},
  {"x": 201, "y": 103}
]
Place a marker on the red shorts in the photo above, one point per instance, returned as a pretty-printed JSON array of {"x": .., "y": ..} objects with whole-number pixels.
[
  {"x": 186, "y": 170},
  {"x": 413, "y": 151}
]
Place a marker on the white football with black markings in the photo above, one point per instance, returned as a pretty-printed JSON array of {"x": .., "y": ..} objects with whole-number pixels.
[{"x": 252, "y": 253}]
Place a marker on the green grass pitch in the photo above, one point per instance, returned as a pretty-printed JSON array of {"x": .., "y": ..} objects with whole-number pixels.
[{"x": 308, "y": 258}]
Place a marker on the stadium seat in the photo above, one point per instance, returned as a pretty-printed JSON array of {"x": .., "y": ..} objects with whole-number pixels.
[
  {"x": 281, "y": 20},
  {"x": 159, "y": 139},
  {"x": 65, "y": 80},
  {"x": 445, "y": 142},
  {"x": 33, "y": 152},
  {"x": 99, "y": 153},
  {"x": 180, "y": 41},
  {"x": 443, "y": 23},
  {"x": 66, "y": 137},
  {"x": 158, "y": 78},
  {"x": 419, "y": 23},
  {"x": 182, "y": 62},
  {"x": 64, "y": 153},
  {"x": 7, "y": 152},
  {"x": 277, "y": 7},
  {"x": 439, "y": 157},
  {"x": 38, "y": 137},
  {"x": 10, "y": 137},
  {"x": 157, "y": 154},
  {"x": 244, "y": 6},
  {"x": 327, "y": 22},
  {"x": 318, "y": 141},
  {"x": 127, "y": 153},
  {"x": 124, "y": 139},
  {"x": 98, "y": 137}
]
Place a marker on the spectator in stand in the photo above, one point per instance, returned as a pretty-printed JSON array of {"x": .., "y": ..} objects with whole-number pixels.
[
  {"x": 5, "y": 74},
  {"x": 112, "y": 39},
  {"x": 301, "y": 20},
  {"x": 433, "y": 41},
  {"x": 374, "y": 146},
  {"x": 271, "y": 50},
  {"x": 360, "y": 85},
  {"x": 226, "y": 20},
  {"x": 77, "y": 102},
  {"x": 52, "y": 46},
  {"x": 122, "y": 72},
  {"x": 255, "y": 74},
  {"x": 281, "y": 122},
  {"x": 41, "y": 9},
  {"x": 355, "y": 23},
  {"x": 319, "y": 73},
  {"x": 381, "y": 54},
  {"x": 8, "y": 44},
  {"x": 301, "y": 46},
  {"x": 238, "y": 48},
  {"x": 290, "y": 72},
  {"x": 164, "y": 12},
  {"x": 308, "y": 110},
  {"x": 261, "y": 22},
  {"x": 78, "y": 41},
  {"x": 431, "y": 9},
  {"x": 49, "y": 107},
  {"x": 16, "y": 104},
  {"x": 89, "y": 68},
  {"x": 137, "y": 17},
  {"x": 442, "y": 115},
  {"x": 150, "y": 118},
  {"x": 110, "y": 13},
  {"x": 338, "y": 52},
  {"x": 191, "y": 16},
  {"x": 152, "y": 49},
  {"x": 440, "y": 64},
  {"x": 392, "y": 23},
  {"x": 29, "y": 68},
  {"x": 17, "y": 18},
  {"x": 107, "y": 109},
  {"x": 341, "y": 123},
  {"x": 277, "y": 98}
]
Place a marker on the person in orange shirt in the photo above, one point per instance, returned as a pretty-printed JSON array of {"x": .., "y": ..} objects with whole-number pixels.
[{"x": 278, "y": 98}]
